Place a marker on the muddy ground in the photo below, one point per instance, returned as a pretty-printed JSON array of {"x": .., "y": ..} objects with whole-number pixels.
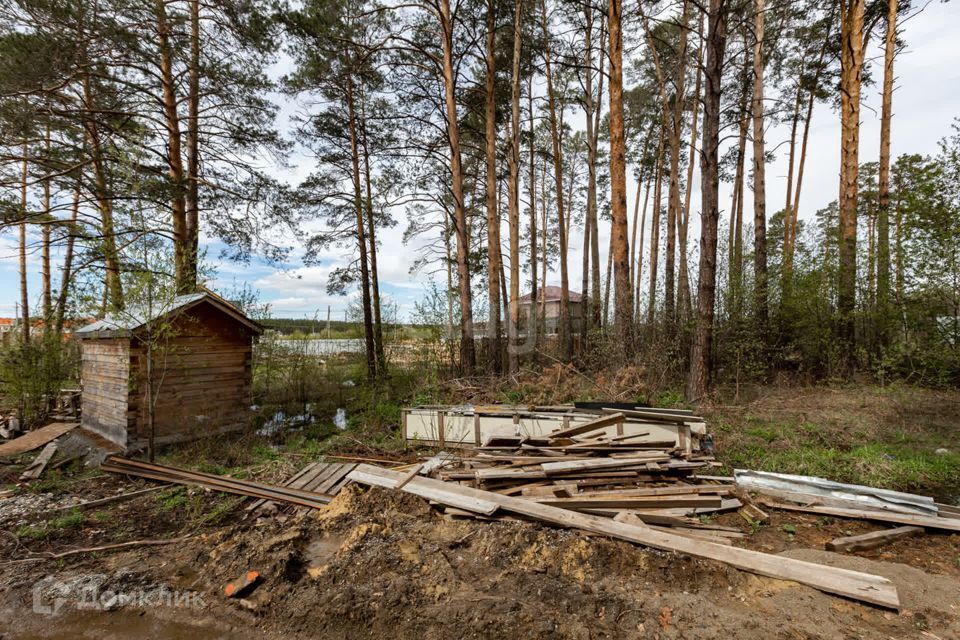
[{"x": 379, "y": 564}]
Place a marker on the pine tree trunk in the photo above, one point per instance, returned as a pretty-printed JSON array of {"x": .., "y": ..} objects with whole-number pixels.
[
  {"x": 565, "y": 329},
  {"x": 702, "y": 347},
  {"x": 811, "y": 100},
  {"x": 594, "y": 224},
  {"x": 639, "y": 277},
  {"x": 735, "y": 243},
  {"x": 544, "y": 260},
  {"x": 113, "y": 286},
  {"x": 759, "y": 176},
  {"x": 789, "y": 223},
  {"x": 380, "y": 355},
  {"x": 514, "y": 190},
  {"x": 588, "y": 109},
  {"x": 655, "y": 233},
  {"x": 467, "y": 347},
  {"x": 24, "y": 293},
  {"x": 47, "y": 295},
  {"x": 494, "y": 328},
  {"x": 851, "y": 67},
  {"x": 673, "y": 196},
  {"x": 174, "y": 153},
  {"x": 883, "y": 186},
  {"x": 685, "y": 304},
  {"x": 63, "y": 294},
  {"x": 533, "y": 323},
  {"x": 623, "y": 302},
  {"x": 370, "y": 349},
  {"x": 637, "y": 249},
  {"x": 192, "y": 247}
]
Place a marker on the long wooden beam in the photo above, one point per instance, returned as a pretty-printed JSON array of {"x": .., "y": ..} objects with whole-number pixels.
[{"x": 852, "y": 584}]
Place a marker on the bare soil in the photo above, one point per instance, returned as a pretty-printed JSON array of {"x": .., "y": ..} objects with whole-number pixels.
[{"x": 378, "y": 564}]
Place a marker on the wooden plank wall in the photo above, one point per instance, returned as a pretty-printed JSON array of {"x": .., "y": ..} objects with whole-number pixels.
[
  {"x": 205, "y": 375},
  {"x": 105, "y": 375}
]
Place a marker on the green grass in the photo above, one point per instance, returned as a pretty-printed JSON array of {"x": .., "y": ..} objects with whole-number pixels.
[
  {"x": 892, "y": 459},
  {"x": 50, "y": 529},
  {"x": 172, "y": 498}
]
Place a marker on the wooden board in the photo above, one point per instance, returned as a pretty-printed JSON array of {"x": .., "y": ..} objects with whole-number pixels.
[
  {"x": 946, "y": 524},
  {"x": 35, "y": 469},
  {"x": 36, "y": 438},
  {"x": 573, "y": 466},
  {"x": 852, "y": 584},
  {"x": 872, "y": 540},
  {"x": 591, "y": 425},
  {"x": 447, "y": 493},
  {"x": 632, "y": 502}
]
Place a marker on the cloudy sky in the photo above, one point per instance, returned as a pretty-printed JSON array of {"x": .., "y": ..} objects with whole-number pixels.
[{"x": 926, "y": 101}]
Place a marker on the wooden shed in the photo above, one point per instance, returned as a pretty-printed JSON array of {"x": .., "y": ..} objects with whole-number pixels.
[{"x": 199, "y": 348}]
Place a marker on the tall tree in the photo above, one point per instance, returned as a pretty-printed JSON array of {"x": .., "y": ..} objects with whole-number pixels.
[
  {"x": 851, "y": 70},
  {"x": 494, "y": 264},
  {"x": 701, "y": 352},
  {"x": 566, "y": 333},
  {"x": 514, "y": 189},
  {"x": 759, "y": 174},
  {"x": 24, "y": 293},
  {"x": 883, "y": 186},
  {"x": 620, "y": 243}
]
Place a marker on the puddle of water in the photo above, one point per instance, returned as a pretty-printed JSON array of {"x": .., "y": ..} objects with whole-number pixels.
[
  {"x": 321, "y": 550},
  {"x": 112, "y": 625}
]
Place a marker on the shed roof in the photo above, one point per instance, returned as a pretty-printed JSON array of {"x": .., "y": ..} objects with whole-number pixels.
[{"x": 123, "y": 324}]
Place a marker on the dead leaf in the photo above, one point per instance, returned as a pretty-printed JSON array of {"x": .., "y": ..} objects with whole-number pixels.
[{"x": 665, "y": 618}]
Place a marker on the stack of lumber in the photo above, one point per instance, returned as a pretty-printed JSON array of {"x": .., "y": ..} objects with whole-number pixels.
[
  {"x": 226, "y": 484},
  {"x": 588, "y": 470},
  {"x": 627, "y": 526},
  {"x": 319, "y": 477}
]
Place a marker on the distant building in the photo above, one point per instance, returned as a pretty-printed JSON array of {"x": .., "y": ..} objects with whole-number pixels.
[{"x": 548, "y": 299}]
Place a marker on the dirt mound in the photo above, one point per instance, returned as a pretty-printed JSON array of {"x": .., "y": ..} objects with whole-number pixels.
[{"x": 384, "y": 564}]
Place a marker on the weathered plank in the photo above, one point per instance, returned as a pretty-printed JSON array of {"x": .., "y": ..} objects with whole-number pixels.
[
  {"x": 945, "y": 524},
  {"x": 572, "y": 466},
  {"x": 591, "y": 425},
  {"x": 852, "y": 584},
  {"x": 872, "y": 540},
  {"x": 631, "y": 502},
  {"x": 35, "y": 468},
  {"x": 446, "y": 493},
  {"x": 36, "y": 438}
]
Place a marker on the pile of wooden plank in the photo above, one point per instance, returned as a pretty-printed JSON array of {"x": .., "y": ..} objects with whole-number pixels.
[
  {"x": 633, "y": 528},
  {"x": 590, "y": 469},
  {"x": 476, "y": 425}
]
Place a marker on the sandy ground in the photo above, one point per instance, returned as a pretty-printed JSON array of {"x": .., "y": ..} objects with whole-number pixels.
[{"x": 379, "y": 564}]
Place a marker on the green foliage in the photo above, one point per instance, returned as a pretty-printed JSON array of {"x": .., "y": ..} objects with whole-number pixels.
[
  {"x": 52, "y": 528},
  {"x": 31, "y": 374}
]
